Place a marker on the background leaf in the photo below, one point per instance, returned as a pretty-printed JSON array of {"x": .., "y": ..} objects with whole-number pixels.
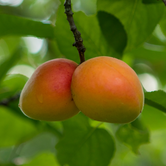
[
  {"x": 8, "y": 63},
  {"x": 81, "y": 139},
  {"x": 113, "y": 31},
  {"x": 17, "y": 129},
  {"x": 14, "y": 25},
  {"x": 45, "y": 158},
  {"x": 153, "y": 118},
  {"x": 7, "y": 89},
  {"x": 139, "y": 20},
  {"x": 163, "y": 24},
  {"x": 133, "y": 135},
  {"x": 156, "y": 99}
]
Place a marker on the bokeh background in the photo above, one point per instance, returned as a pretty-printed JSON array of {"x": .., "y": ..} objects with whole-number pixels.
[{"x": 30, "y": 143}]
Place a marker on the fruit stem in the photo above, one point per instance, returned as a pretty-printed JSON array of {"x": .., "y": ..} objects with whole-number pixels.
[{"x": 77, "y": 35}]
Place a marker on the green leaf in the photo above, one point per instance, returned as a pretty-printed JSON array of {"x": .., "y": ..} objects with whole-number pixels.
[
  {"x": 163, "y": 24},
  {"x": 133, "y": 135},
  {"x": 11, "y": 87},
  {"x": 156, "y": 99},
  {"x": 153, "y": 118},
  {"x": 32, "y": 151},
  {"x": 81, "y": 139},
  {"x": 93, "y": 39},
  {"x": 149, "y": 54},
  {"x": 7, "y": 89},
  {"x": 14, "y": 25},
  {"x": 14, "y": 130},
  {"x": 43, "y": 159},
  {"x": 113, "y": 31},
  {"x": 8, "y": 63},
  {"x": 43, "y": 142},
  {"x": 88, "y": 7},
  {"x": 138, "y": 19}
]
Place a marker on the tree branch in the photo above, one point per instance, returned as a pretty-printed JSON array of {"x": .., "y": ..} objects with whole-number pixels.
[
  {"x": 77, "y": 35},
  {"x": 164, "y": 2},
  {"x": 6, "y": 102}
]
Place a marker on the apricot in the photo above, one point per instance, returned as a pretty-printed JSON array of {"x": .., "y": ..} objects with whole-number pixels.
[
  {"x": 107, "y": 89},
  {"x": 47, "y": 94}
]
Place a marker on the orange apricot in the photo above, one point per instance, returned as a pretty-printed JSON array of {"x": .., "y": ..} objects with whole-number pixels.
[
  {"x": 106, "y": 89},
  {"x": 47, "y": 94}
]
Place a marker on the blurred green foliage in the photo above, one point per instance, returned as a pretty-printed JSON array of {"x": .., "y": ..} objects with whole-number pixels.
[{"x": 133, "y": 30}]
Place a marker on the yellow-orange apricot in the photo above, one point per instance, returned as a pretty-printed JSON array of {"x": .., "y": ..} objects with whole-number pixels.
[
  {"x": 107, "y": 89},
  {"x": 47, "y": 94}
]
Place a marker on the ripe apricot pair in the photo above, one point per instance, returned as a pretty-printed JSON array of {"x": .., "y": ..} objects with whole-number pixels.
[{"x": 103, "y": 88}]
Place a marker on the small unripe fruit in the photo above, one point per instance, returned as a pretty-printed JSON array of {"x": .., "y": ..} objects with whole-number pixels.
[
  {"x": 47, "y": 94},
  {"x": 107, "y": 89}
]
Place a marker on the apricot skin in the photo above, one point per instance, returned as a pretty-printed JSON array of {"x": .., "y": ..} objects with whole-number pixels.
[
  {"x": 47, "y": 94},
  {"x": 107, "y": 89}
]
